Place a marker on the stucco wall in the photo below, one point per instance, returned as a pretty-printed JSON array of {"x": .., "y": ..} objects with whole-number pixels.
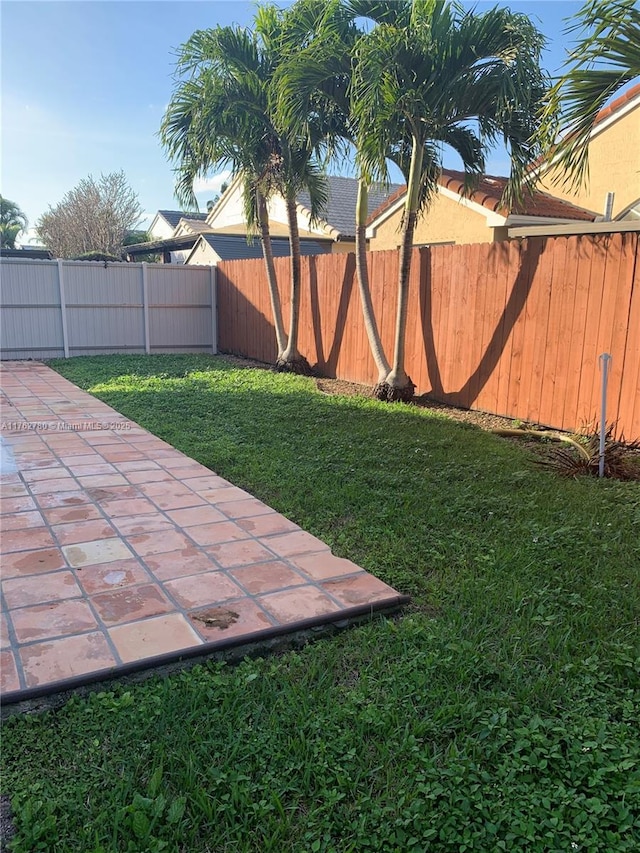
[
  {"x": 446, "y": 221},
  {"x": 614, "y": 166}
]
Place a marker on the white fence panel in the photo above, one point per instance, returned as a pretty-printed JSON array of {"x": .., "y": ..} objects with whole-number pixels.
[{"x": 104, "y": 308}]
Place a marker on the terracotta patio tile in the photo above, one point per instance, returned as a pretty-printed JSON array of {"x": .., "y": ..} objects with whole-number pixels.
[
  {"x": 137, "y": 465},
  {"x": 102, "y": 480},
  {"x": 9, "y": 489},
  {"x": 240, "y": 553},
  {"x": 21, "y": 521},
  {"x": 184, "y": 468},
  {"x": 214, "y": 534},
  {"x": 196, "y": 515},
  {"x": 164, "y": 487},
  {"x": 113, "y": 493},
  {"x": 158, "y": 543},
  {"x": 109, "y": 576},
  {"x": 152, "y": 522},
  {"x": 324, "y": 565},
  {"x": 54, "y": 487},
  {"x": 173, "y": 501},
  {"x": 266, "y": 577},
  {"x": 50, "y": 620},
  {"x": 97, "y": 551},
  {"x": 246, "y": 508},
  {"x": 125, "y": 455},
  {"x": 55, "y": 472},
  {"x": 297, "y": 542},
  {"x": 131, "y": 603},
  {"x": 68, "y": 499},
  {"x": 265, "y": 525},
  {"x": 9, "y": 680},
  {"x": 91, "y": 470},
  {"x": 303, "y": 602},
  {"x": 5, "y": 640},
  {"x": 11, "y": 505},
  {"x": 230, "y": 620},
  {"x": 359, "y": 589},
  {"x": 65, "y": 515},
  {"x": 150, "y": 475},
  {"x": 32, "y": 562},
  {"x": 207, "y": 480},
  {"x": 80, "y": 461},
  {"x": 55, "y": 660},
  {"x": 176, "y": 564},
  {"x": 36, "y": 589},
  {"x": 134, "y": 506},
  {"x": 203, "y": 589},
  {"x": 155, "y": 636},
  {"x": 83, "y": 531},
  {"x": 224, "y": 495}
]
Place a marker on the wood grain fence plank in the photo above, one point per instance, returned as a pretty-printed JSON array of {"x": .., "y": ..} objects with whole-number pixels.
[
  {"x": 569, "y": 362},
  {"x": 559, "y": 296},
  {"x": 629, "y": 405}
]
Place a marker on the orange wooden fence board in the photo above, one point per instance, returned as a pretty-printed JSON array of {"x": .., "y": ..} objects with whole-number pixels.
[{"x": 514, "y": 328}]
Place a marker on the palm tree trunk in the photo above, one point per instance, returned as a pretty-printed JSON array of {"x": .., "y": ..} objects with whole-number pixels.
[
  {"x": 274, "y": 294},
  {"x": 400, "y": 385},
  {"x": 291, "y": 359},
  {"x": 364, "y": 287}
]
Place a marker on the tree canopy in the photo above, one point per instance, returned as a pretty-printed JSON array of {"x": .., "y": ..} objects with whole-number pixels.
[
  {"x": 12, "y": 222},
  {"x": 95, "y": 216}
]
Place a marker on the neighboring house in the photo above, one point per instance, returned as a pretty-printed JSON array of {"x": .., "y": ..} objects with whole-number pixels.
[
  {"x": 476, "y": 217},
  {"x": 614, "y": 162},
  {"x": 209, "y": 249},
  {"x": 337, "y": 224},
  {"x": 27, "y": 252},
  {"x": 175, "y": 223},
  {"x": 165, "y": 222}
]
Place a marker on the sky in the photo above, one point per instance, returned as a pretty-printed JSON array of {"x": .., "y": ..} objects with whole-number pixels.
[{"x": 84, "y": 85}]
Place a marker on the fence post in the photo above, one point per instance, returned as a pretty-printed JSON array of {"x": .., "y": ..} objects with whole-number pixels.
[
  {"x": 63, "y": 309},
  {"x": 604, "y": 360},
  {"x": 145, "y": 308},
  {"x": 214, "y": 310}
]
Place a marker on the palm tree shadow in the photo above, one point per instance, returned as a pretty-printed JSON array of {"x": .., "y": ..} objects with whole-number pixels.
[
  {"x": 468, "y": 393},
  {"x": 327, "y": 365}
]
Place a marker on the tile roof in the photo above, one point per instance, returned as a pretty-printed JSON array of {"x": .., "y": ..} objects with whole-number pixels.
[
  {"x": 340, "y": 213},
  {"x": 174, "y": 216},
  {"x": 488, "y": 193},
  {"x": 234, "y": 247},
  {"x": 616, "y": 105}
]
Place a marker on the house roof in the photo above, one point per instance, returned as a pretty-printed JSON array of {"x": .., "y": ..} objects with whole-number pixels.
[
  {"x": 174, "y": 216},
  {"x": 618, "y": 104},
  {"x": 488, "y": 193},
  {"x": 341, "y": 205},
  {"x": 229, "y": 247}
]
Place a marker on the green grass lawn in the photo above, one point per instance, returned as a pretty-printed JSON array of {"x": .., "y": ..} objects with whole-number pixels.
[{"x": 501, "y": 712}]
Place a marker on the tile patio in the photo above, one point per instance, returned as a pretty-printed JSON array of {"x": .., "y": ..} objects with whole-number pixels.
[{"x": 117, "y": 548}]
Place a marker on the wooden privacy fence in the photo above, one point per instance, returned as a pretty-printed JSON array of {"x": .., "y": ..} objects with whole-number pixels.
[
  {"x": 55, "y": 309},
  {"x": 514, "y": 328}
]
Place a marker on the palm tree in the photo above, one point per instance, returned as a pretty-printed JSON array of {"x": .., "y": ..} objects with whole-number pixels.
[
  {"x": 316, "y": 77},
  {"x": 219, "y": 116},
  {"x": 450, "y": 80},
  {"x": 12, "y": 222},
  {"x": 605, "y": 59}
]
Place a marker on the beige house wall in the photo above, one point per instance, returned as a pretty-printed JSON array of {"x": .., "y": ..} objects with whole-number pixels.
[
  {"x": 614, "y": 166},
  {"x": 446, "y": 221}
]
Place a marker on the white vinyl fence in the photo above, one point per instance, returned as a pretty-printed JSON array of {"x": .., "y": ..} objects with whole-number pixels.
[{"x": 55, "y": 309}]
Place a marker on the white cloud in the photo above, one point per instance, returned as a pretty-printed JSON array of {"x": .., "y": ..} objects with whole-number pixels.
[{"x": 212, "y": 184}]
